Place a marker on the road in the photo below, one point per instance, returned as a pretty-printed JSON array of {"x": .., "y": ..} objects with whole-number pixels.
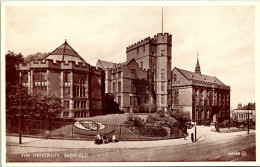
[
  {"x": 216, "y": 147},
  {"x": 205, "y": 151}
]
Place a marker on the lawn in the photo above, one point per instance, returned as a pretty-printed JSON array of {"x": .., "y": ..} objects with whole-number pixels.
[
  {"x": 115, "y": 119},
  {"x": 114, "y": 124}
]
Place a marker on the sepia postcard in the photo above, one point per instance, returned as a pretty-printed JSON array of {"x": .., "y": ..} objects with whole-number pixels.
[{"x": 129, "y": 83}]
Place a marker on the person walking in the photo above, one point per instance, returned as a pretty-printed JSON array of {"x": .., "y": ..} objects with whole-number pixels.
[{"x": 192, "y": 137}]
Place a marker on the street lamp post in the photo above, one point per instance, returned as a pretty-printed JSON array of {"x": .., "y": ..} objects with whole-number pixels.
[
  {"x": 20, "y": 102},
  {"x": 195, "y": 119},
  {"x": 248, "y": 118}
]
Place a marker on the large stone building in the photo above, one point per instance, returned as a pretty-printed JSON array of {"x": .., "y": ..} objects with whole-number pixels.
[
  {"x": 241, "y": 114},
  {"x": 204, "y": 97},
  {"x": 82, "y": 87},
  {"x": 152, "y": 60},
  {"x": 64, "y": 72},
  {"x": 119, "y": 82}
]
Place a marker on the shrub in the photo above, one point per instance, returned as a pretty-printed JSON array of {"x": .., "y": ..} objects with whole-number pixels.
[
  {"x": 129, "y": 117},
  {"x": 138, "y": 122},
  {"x": 153, "y": 131}
]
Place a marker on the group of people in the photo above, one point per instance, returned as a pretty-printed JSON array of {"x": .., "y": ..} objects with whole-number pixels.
[{"x": 104, "y": 140}]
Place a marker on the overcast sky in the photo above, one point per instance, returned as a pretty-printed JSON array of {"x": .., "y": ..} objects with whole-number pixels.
[{"x": 222, "y": 35}]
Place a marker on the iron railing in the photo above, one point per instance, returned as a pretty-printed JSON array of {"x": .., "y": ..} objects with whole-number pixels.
[{"x": 67, "y": 130}]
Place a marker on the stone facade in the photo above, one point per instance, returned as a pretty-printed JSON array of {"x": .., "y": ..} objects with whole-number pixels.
[
  {"x": 241, "y": 113},
  {"x": 119, "y": 82},
  {"x": 204, "y": 97},
  {"x": 80, "y": 86},
  {"x": 152, "y": 55}
]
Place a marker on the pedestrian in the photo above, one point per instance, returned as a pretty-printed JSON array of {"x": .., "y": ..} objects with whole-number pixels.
[
  {"x": 98, "y": 139},
  {"x": 114, "y": 140},
  {"x": 192, "y": 137},
  {"x": 105, "y": 140}
]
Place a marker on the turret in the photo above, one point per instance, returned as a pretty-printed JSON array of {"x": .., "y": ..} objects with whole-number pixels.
[{"x": 197, "y": 68}]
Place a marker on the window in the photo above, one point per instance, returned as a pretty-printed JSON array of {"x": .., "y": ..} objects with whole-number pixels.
[
  {"x": 66, "y": 104},
  {"x": 162, "y": 52},
  {"x": 162, "y": 99},
  {"x": 66, "y": 91},
  {"x": 66, "y": 76},
  {"x": 114, "y": 87},
  {"x": 40, "y": 79},
  {"x": 80, "y": 91},
  {"x": 77, "y": 91},
  {"x": 119, "y": 74},
  {"x": 143, "y": 48},
  {"x": 141, "y": 65},
  {"x": 83, "y": 104},
  {"x": 133, "y": 89},
  {"x": 76, "y": 104},
  {"x": 24, "y": 77},
  {"x": 84, "y": 91},
  {"x": 134, "y": 73},
  {"x": 119, "y": 86},
  {"x": 153, "y": 53},
  {"x": 137, "y": 50},
  {"x": 174, "y": 77},
  {"x": 132, "y": 101},
  {"x": 65, "y": 114},
  {"x": 119, "y": 100},
  {"x": 162, "y": 74},
  {"x": 74, "y": 91},
  {"x": 162, "y": 86}
]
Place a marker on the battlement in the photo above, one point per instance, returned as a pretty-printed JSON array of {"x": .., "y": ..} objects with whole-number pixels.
[
  {"x": 163, "y": 38},
  {"x": 159, "y": 38},
  {"x": 141, "y": 43},
  {"x": 49, "y": 63},
  {"x": 97, "y": 70}
]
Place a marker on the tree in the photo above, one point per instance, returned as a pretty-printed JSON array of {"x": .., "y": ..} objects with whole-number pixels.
[
  {"x": 45, "y": 106},
  {"x": 12, "y": 62},
  {"x": 12, "y": 103},
  {"x": 112, "y": 107},
  {"x": 37, "y": 105},
  {"x": 35, "y": 57},
  {"x": 143, "y": 93},
  {"x": 181, "y": 116},
  {"x": 161, "y": 118}
]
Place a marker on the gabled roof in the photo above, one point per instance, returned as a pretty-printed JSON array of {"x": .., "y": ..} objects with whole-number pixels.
[
  {"x": 201, "y": 77},
  {"x": 106, "y": 64},
  {"x": 65, "y": 53},
  {"x": 127, "y": 62}
]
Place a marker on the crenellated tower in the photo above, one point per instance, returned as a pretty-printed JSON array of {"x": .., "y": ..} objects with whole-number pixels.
[{"x": 154, "y": 54}]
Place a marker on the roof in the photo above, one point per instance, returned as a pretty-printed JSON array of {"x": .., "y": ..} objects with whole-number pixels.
[
  {"x": 251, "y": 106},
  {"x": 127, "y": 62},
  {"x": 65, "y": 53},
  {"x": 201, "y": 77},
  {"x": 106, "y": 64}
]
